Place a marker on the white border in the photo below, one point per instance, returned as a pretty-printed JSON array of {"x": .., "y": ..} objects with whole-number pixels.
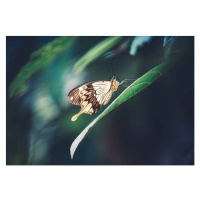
[{"x": 98, "y": 18}]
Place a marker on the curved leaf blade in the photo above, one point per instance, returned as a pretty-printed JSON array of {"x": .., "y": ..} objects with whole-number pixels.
[
  {"x": 39, "y": 60},
  {"x": 137, "y": 86},
  {"x": 95, "y": 52}
]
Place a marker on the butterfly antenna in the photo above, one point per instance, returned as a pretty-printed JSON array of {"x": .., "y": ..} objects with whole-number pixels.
[
  {"x": 118, "y": 78},
  {"x": 111, "y": 69}
]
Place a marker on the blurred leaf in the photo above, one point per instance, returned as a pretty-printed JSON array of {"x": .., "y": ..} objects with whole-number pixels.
[
  {"x": 168, "y": 43},
  {"x": 167, "y": 39},
  {"x": 39, "y": 60},
  {"x": 95, "y": 52},
  {"x": 132, "y": 90},
  {"x": 139, "y": 41},
  {"x": 119, "y": 49}
]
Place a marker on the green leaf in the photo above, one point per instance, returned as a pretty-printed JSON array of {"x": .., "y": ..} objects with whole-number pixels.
[
  {"x": 95, "y": 52},
  {"x": 39, "y": 60},
  {"x": 129, "y": 92}
]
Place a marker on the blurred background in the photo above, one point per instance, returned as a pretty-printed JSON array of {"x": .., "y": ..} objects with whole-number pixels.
[{"x": 155, "y": 127}]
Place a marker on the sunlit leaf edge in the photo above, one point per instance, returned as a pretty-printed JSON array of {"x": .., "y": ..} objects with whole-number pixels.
[{"x": 137, "y": 86}]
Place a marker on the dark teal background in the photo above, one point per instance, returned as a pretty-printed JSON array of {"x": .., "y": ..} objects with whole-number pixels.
[{"x": 155, "y": 127}]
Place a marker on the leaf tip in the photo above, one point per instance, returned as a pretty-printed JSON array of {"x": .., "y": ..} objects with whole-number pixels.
[{"x": 72, "y": 151}]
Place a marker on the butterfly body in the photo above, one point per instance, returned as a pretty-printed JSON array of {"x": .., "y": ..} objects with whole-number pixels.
[{"x": 92, "y": 95}]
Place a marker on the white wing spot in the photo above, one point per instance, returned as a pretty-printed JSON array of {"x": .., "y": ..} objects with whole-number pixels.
[{"x": 71, "y": 98}]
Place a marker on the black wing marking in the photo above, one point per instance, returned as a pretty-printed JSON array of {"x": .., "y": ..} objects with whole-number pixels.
[{"x": 74, "y": 97}]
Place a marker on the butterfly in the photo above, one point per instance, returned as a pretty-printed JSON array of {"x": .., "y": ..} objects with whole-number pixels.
[{"x": 92, "y": 95}]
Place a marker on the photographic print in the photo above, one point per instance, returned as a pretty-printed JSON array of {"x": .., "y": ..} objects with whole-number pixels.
[{"x": 100, "y": 100}]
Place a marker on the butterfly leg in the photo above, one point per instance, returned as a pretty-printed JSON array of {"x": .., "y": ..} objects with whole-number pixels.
[
  {"x": 126, "y": 80},
  {"x": 124, "y": 85}
]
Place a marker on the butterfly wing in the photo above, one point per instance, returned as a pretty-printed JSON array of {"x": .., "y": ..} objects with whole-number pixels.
[
  {"x": 90, "y": 96},
  {"x": 101, "y": 89},
  {"x": 107, "y": 97},
  {"x": 74, "y": 95}
]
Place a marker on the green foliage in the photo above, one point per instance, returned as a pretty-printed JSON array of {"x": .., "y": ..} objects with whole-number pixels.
[
  {"x": 95, "y": 52},
  {"x": 39, "y": 60},
  {"x": 44, "y": 56},
  {"x": 132, "y": 90}
]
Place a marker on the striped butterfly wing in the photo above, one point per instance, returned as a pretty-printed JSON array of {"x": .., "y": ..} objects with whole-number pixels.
[
  {"x": 107, "y": 97},
  {"x": 101, "y": 89},
  {"x": 74, "y": 97},
  {"x": 90, "y": 96}
]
